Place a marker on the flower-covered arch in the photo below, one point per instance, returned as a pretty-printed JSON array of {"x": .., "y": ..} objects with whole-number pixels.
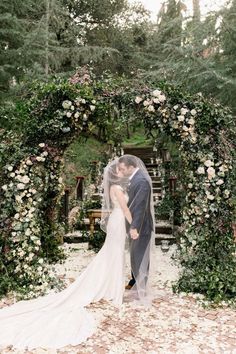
[{"x": 31, "y": 184}]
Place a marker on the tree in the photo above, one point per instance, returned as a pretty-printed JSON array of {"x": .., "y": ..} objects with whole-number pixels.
[{"x": 11, "y": 40}]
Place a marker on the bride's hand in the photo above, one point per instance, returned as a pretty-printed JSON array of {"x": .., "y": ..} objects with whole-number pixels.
[{"x": 134, "y": 234}]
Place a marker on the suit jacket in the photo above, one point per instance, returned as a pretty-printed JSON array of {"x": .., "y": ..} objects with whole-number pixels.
[{"x": 139, "y": 192}]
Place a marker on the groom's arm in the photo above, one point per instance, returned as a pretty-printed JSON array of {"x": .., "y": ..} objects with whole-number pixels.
[{"x": 142, "y": 196}]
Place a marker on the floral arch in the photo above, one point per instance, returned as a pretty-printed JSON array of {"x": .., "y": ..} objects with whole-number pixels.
[{"x": 31, "y": 186}]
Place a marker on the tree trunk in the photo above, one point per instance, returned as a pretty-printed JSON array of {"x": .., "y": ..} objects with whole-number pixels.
[{"x": 47, "y": 37}]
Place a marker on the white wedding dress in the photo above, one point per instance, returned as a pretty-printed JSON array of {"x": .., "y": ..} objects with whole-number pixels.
[{"x": 60, "y": 319}]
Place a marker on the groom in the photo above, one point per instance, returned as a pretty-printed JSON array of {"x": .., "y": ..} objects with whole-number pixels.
[{"x": 139, "y": 192}]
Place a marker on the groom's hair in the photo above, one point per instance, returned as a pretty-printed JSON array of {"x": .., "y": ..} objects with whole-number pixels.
[{"x": 128, "y": 160}]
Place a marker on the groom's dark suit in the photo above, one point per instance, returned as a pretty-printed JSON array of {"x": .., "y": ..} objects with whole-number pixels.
[{"x": 139, "y": 192}]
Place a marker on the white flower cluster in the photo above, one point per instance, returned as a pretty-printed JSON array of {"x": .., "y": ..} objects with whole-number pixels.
[
  {"x": 184, "y": 123},
  {"x": 204, "y": 197},
  {"x": 184, "y": 120},
  {"x": 80, "y": 109},
  {"x": 24, "y": 188},
  {"x": 150, "y": 104}
]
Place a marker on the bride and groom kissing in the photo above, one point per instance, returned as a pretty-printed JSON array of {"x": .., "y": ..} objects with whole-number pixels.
[{"x": 57, "y": 320}]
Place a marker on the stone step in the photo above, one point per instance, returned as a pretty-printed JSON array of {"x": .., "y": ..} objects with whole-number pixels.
[
  {"x": 143, "y": 151},
  {"x": 160, "y": 237},
  {"x": 156, "y": 179},
  {"x": 159, "y": 230}
]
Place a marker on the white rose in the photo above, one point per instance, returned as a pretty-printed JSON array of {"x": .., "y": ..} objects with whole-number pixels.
[
  {"x": 138, "y": 99},
  {"x": 45, "y": 153},
  {"x": 183, "y": 111},
  {"x": 18, "y": 198},
  {"x": 17, "y": 216},
  {"x": 68, "y": 114},
  {"x": 28, "y": 232},
  {"x": 193, "y": 112},
  {"x": 10, "y": 168},
  {"x": 190, "y": 185},
  {"x": 180, "y": 118},
  {"x": 156, "y": 93},
  {"x": 41, "y": 145},
  {"x": 92, "y": 108},
  {"x": 76, "y": 115},
  {"x": 185, "y": 128},
  {"x": 40, "y": 261},
  {"x": 85, "y": 117},
  {"x": 162, "y": 98},
  {"x": 93, "y": 101},
  {"x": 20, "y": 186},
  {"x": 175, "y": 107},
  {"x": 208, "y": 163},
  {"x": 4, "y": 187},
  {"x": 12, "y": 174},
  {"x": 39, "y": 158},
  {"x": 72, "y": 108},
  {"x": 66, "y": 104},
  {"x": 223, "y": 168},
  {"x": 25, "y": 179},
  {"x": 201, "y": 170},
  {"x": 191, "y": 121},
  {"x": 156, "y": 100},
  {"x": 29, "y": 162},
  {"x": 146, "y": 103},
  {"x": 211, "y": 172},
  {"x": 220, "y": 182},
  {"x": 60, "y": 180},
  {"x": 210, "y": 196},
  {"x": 175, "y": 125},
  {"x": 151, "y": 108},
  {"x": 83, "y": 101}
]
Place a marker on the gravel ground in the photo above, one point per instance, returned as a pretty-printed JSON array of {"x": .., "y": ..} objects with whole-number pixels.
[{"x": 174, "y": 324}]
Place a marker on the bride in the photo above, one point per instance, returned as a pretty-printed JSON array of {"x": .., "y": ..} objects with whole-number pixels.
[{"x": 61, "y": 319}]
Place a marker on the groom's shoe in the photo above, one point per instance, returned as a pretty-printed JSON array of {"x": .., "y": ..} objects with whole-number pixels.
[
  {"x": 128, "y": 287},
  {"x": 130, "y": 284}
]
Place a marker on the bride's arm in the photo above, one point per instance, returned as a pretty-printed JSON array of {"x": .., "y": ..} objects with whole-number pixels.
[{"x": 121, "y": 200}]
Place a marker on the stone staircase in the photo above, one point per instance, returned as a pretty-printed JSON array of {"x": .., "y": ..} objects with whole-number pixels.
[{"x": 163, "y": 228}]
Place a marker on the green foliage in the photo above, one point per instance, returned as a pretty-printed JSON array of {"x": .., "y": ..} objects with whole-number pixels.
[
  {"x": 209, "y": 264},
  {"x": 78, "y": 158},
  {"x": 171, "y": 205},
  {"x": 137, "y": 137}
]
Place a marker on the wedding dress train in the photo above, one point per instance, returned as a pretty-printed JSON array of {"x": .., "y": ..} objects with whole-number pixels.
[{"x": 60, "y": 319}]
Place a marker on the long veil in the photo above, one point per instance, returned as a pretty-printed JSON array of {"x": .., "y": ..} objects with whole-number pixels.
[
  {"x": 142, "y": 202},
  {"x": 141, "y": 205}
]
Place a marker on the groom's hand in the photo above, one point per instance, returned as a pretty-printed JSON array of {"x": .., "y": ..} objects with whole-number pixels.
[{"x": 134, "y": 234}]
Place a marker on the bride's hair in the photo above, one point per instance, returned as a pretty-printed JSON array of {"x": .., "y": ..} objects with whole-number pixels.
[
  {"x": 128, "y": 160},
  {"x": 112, "y": 175}
]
